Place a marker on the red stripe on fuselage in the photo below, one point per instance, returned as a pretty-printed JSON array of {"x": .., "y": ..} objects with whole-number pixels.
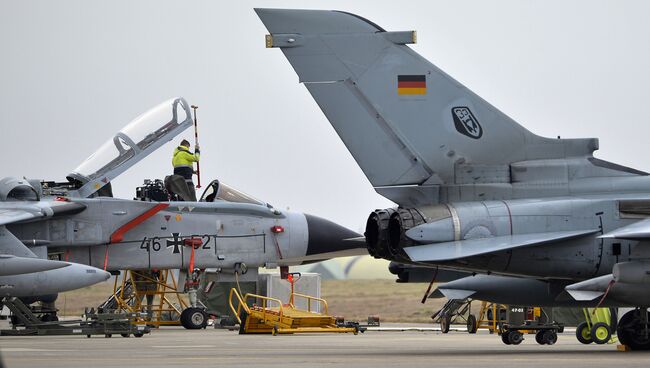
[{"x": 118, "y": 235}]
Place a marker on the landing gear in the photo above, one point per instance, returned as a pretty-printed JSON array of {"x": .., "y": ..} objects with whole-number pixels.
[
  {"x": 194, "y": 318},
  {"x": 633, "y": 329}
]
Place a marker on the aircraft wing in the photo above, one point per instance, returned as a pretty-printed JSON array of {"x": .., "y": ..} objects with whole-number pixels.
[
  {"x": 636, "y": 231},
  {"x": 12, "y": 265},
  {"x": 448, "y": 251},
  {"x": 11, "y": 212},
  {"x": 589, "y": 289},
  {"x": 8, "y": 216}
]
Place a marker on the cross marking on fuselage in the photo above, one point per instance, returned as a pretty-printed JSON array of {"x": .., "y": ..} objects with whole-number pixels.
[{"x": 176, "y": 243}]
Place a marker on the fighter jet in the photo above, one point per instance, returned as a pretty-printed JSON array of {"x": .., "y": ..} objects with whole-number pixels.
[
  {"x": 87, "y": 231},
  {"x": 541, "y": 221}
]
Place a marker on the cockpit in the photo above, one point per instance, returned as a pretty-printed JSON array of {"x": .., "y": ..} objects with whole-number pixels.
[
  {"x": 138, "y": 139},
  {"x": 142, "y": 136},
  {"x": 220, "y": 191}
]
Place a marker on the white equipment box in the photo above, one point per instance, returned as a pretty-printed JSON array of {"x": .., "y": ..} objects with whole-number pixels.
[{"x": 271, "y": 285}]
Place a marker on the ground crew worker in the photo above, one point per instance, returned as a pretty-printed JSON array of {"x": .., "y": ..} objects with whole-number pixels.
[{"x": 183, "y": 162}]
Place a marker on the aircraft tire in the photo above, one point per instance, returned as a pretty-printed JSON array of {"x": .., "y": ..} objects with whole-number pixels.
[
  {"x": 630, "y": 331},
  {"x": 601, "y": 333},
  {"x": 194, "y": 318},
  {"x": 583, "y": 333},
  {"x": 445, "y": 321},
  {"x": 472, "y": 325}
]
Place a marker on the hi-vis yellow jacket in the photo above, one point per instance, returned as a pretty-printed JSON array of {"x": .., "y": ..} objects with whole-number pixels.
[{"x": 183, "y": 157}]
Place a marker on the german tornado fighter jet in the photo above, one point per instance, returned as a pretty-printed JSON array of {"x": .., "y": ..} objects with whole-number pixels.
[
  {"x": 80, "y": 225},
  {"x": 541, "y": 220}
]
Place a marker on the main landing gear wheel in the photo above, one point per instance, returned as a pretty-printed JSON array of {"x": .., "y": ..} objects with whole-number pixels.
[
  {"x": 583, "y": 333},
  {"x": 472, "y": 326},
  {"x": 601, "y": 333},
  {"x": 194, "y": 318},
  {"x": 631, "y": 330},
  {"x": 445, "y": 321}
]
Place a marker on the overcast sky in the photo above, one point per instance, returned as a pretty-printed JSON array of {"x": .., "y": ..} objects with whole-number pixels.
[{"x": 75, "y": 72}]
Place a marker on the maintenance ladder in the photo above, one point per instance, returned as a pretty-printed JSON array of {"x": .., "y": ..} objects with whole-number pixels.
[
  {"x": 156, "y": 294},
  {"x": 274, "y": 317}
]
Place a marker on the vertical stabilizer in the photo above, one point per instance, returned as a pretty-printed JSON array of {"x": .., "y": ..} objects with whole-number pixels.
[{"x": 404, "y": 120}]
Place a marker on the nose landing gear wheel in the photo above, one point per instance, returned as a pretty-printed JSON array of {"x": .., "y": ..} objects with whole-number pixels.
[{"x": 194, "y": 318}]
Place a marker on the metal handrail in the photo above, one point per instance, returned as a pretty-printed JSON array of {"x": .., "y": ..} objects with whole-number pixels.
[
  {"x": 239, "y": 306},
  {"x": 264, "y": 306},
  {"x": 310, "y": 298}
]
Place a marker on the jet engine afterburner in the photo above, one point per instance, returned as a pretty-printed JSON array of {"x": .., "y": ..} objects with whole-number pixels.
[
  {"x": 386, "y": 230},
  {"x": 391, "y": 230}
]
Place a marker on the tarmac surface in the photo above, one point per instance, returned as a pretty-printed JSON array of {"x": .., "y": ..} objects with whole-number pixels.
[{"x": 174, "y": 347}]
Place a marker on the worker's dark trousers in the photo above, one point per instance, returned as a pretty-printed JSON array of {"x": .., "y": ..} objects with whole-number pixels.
[{"x": 186, "y": 172}]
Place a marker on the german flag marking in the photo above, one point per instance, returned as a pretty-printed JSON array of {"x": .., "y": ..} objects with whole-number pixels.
[{"x": 411, "y": 85}]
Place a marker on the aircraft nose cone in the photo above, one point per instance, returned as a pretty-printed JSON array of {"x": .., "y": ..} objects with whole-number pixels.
[
  {"x": 103, "y": 275},
  {"x": 326, "y": 236},
  {"x": 85, "y": 275}
]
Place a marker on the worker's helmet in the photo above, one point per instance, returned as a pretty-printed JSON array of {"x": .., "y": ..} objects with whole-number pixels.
[{"x": 185, "y": 143}]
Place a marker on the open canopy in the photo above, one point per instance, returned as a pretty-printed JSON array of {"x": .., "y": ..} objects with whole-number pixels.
[{"x": 137, "y": 140}]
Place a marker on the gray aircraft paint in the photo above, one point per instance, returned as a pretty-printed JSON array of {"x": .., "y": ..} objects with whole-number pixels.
[
  {"x": 73, "y": 276},
  {"x": 91, "y": 233},
  {"x": 463, "y": 171}
]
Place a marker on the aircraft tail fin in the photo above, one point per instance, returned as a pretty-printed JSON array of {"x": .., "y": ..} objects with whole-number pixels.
[{"x": 404, "y": 120}]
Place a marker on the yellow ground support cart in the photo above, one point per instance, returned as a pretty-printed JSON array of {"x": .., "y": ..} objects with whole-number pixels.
[
  {"x": 271, "y": 316},
  {"x": 491, "y": 317},
  {"x": 599, "y": 326}
]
